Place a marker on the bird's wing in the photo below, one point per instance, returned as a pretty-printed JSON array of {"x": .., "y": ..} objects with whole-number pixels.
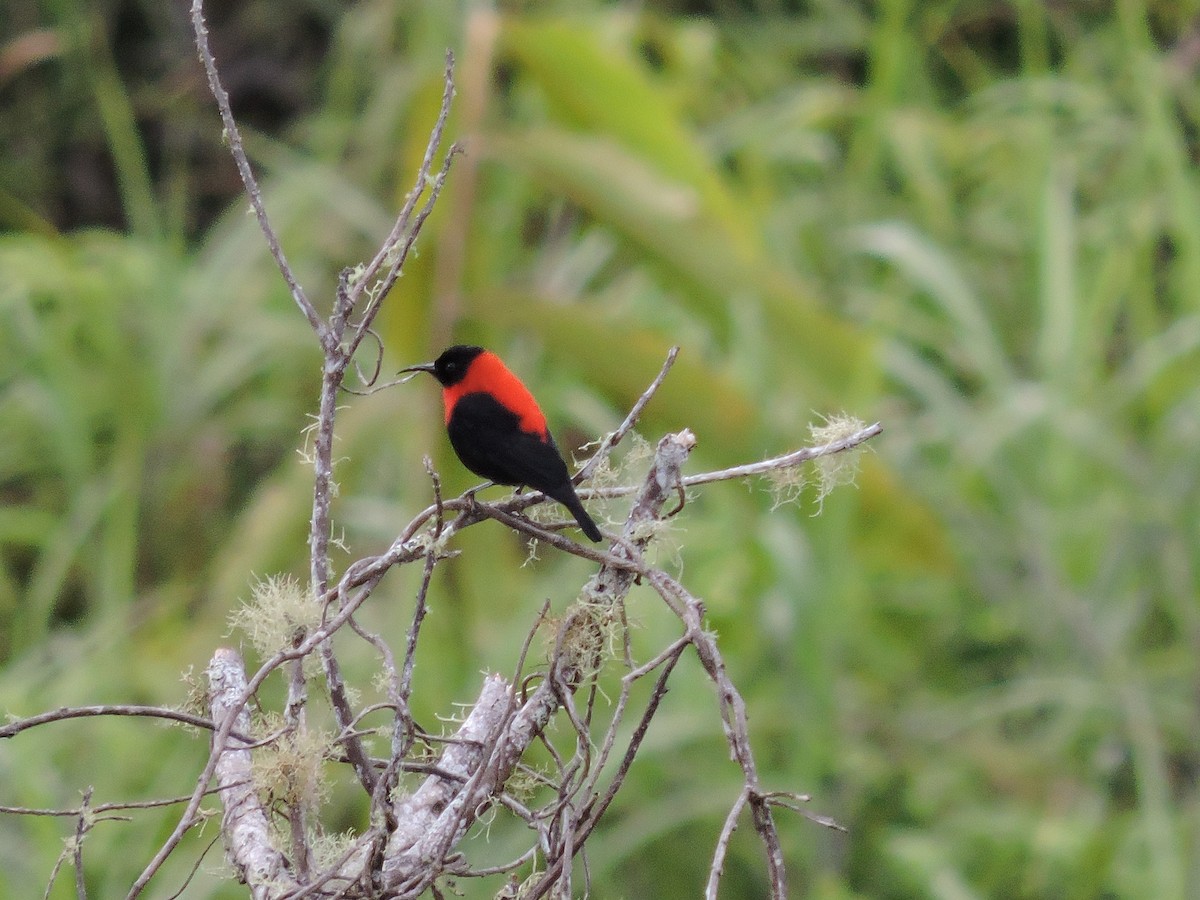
[{"x": 488, "y": 439}]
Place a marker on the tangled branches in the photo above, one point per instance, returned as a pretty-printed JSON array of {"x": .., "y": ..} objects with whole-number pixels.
[{"x": 409, "y": 842}]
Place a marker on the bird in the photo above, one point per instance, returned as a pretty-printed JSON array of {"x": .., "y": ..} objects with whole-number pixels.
[{"x": 497, "y": 429}]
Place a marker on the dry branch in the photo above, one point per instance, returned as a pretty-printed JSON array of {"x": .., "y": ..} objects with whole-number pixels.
[
  {"x": 411, "y": 839},
  {"x": 245, "y": 824},
  {"x": 411, "y": 865}
]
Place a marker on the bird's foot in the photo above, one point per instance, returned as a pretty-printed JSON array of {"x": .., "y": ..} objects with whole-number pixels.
[{"x": 469, "y": 494}]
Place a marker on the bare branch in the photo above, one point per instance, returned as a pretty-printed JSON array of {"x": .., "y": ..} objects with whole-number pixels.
[
  {"x": 339, "y": 700},
  {"x": 611, "y": 440},
  {"x": 478, "y": 510},
  {"x": 346, "y": 868},
  {"x": 438, "y": 813},
  {"x": 788, "y": 460},
  {"x": 234, "y": 136},
  {"x": 76, "y": 712},
  {"x": 58, "y": 864},
  {"x": 396, "y": 246},
  {"x": 195, "y": 868},
  {"x": 394, "y": 252},
  {"x": 425, "y": 835},
  {"x": 81, "y": 829},
  {"x": 244, "y": 823},
  {"x": 718, "y": 864},
  {"x": 305, "y": 647},
  {"x": 733, "y": 716},
  {"x": 793, "y": 801},
  {"x": 619, "y": 566},
  {"x": 403, "y": 687}
]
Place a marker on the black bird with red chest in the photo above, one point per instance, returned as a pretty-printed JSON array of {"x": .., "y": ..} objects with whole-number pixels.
[{"x": 497, "y": 429}]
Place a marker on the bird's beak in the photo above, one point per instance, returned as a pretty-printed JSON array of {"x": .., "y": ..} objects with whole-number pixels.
[{"x": 423, "y": 367}]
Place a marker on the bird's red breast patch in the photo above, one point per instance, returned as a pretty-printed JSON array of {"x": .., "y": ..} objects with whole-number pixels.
[{"x": 487, "y": 374}]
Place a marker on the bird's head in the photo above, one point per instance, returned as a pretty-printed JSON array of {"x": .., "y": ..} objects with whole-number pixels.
[{"x": 451, "y": 367}]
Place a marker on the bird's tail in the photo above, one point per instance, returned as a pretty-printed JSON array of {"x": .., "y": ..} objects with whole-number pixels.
[{"x": 567, "y": 497}]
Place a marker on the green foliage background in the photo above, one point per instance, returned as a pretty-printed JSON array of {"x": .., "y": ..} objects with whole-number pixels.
[{"x": 974, "y": 221}]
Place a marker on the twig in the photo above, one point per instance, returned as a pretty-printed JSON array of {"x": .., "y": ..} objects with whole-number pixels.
[
  {"x": 101, "y": 807},
  {"x": 500, "y": 869},
  {"x": 718, "y": 864},
  {"x": 81, "y": 829},
  {"x": 598, "y": 805},
  {"x": 529, "y": 636},
  {"x": 793, "y": 801},
  {"x": 787, "y": 460},
  {"x": 476, "y": 510},
  {"x": 195, "y": 868},
  {"x": 331, "y": 379},
  {"x": 393, "y": 252},
  {"x": 635, "y": 412},
  {"x": 667, "y": 660},
  {"x": 238, "y": 151},
  {"x": 77, "y": 712},
  {"x": 404, "y": 685},
  {"x": 58, "y": 864},
  {"x": 337, "y": 869},
  {"x": 733, "y": 716},
  {"x": 399, "y": 242}
]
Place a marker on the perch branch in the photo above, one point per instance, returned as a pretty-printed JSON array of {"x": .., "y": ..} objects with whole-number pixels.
[
  {"x": 473, "y": 510},
  {"x": 435, "y": 817}
]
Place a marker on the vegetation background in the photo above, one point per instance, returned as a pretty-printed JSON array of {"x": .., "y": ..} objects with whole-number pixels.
[{"x": 975, "y": 221}]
